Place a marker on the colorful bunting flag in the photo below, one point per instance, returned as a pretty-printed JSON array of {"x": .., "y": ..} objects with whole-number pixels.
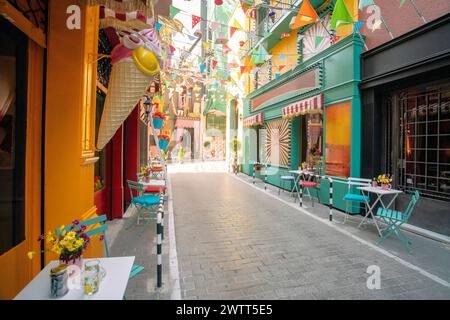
[
  {"x": 172, "y": 49},
  {"x": 232, "y": 31},
  {"x": 402, "y": 2},
  {"x": 340, "y": 15},
  {"x": 357, "y": 25},
  {"x": 213, "y": 26},
  {"x": 202, "y": 68},
  {"x": 195, "y": 20},
  {"x": 277, "y": 75},
  {"x": 158, "y": 26},
  {"x": 318, "y": 40},
  {"x": 214, "y": 64},
  {"x": 281, "y": 67},
  {"x": 174, "y": 11},
  {"x": 237, "y": 25},
  {"x": 305, "y": 16}
]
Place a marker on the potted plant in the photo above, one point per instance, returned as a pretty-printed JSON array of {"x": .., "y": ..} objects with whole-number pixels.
[
  {"x": 164, "y": 141},
  {"x": 98, "y": 183},
  {"x": 158, "y": 120},
  {"x": 144, "y": 173}
]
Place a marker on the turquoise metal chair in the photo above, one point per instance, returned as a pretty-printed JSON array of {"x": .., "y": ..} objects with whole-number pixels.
[
  {"x": 144, "y": 203},
  {"x": 102, "y": 230},
  {"x": 352, "y": 196},
  {"x": 395, "y": 219}
]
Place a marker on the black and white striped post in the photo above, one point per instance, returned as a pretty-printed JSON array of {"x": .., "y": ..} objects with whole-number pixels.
[
  {"x": 254, "y": 170},
  {"x": 159, "y": 231},
  {"x": 331, "y": 198},
  {"x": 161, "y": 207},
  {"x": 301, "y": 195},
  {"x": 265, "y": 177}
]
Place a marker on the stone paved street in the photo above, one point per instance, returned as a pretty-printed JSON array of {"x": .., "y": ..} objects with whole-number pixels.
[{"x": 237, "y": 242}]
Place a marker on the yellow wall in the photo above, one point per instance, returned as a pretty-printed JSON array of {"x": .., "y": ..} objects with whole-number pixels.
[
  {"x": 69, "y": 186},
  {"x": 287, "y": 46}
]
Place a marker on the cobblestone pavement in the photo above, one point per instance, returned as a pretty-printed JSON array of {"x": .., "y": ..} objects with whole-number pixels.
[{"x": 237, "y": 242}]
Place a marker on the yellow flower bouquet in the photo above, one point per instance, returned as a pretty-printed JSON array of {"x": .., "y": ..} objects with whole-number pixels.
[
  {"x": 68, "y": 243},
  {"x": 384, "y": 180}
]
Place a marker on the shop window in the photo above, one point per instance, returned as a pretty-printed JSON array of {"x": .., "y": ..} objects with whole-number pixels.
[
  {"x": 312, "y": 140},
  {"x": 424, "y": 141},
  {"x": 338, "y": 133},
  {"x": 13, "y": 114},
  {"x": 278, "y": 142}
]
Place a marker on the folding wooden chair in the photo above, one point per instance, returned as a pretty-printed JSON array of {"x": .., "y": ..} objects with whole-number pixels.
[{"x": 395, "y": 219}]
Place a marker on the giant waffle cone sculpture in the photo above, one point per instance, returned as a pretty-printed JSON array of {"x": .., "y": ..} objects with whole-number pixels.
[
  {"x": 127, "y": 84},
  {"x": 132, "y": 72}
]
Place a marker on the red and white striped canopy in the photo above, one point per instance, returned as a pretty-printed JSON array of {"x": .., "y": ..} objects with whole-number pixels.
[
  {"x": 254, "y": 120},
  {"x": 310, "y": 105}
]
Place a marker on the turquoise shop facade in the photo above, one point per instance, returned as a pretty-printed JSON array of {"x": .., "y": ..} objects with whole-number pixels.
[{"x": 337, "y": 75}]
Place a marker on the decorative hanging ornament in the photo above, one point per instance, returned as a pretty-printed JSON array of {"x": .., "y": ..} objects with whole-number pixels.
[{"x": 218, "y": 2}]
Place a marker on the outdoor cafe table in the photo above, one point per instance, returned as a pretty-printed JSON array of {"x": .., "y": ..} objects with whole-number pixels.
[
  {"x": 298, "y": 174},
  {"x": 112, "y": 286},
  {"x": 380, "y": 193}
]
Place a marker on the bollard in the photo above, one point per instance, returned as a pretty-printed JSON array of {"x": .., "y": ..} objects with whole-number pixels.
[
  {"x": 159, "y": 249},
  {"x": 301, "y": 196},
  {"x": 161, "y": 207},
  {"x": 331, "y": 199}
]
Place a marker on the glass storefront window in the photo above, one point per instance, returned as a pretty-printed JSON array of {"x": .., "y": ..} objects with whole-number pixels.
[
  {"x": 425, "y": 140},
  {"x": 13, "y": 111},
  {"x": 338, "y": 134},
  {"x": 314, "y": 132}
]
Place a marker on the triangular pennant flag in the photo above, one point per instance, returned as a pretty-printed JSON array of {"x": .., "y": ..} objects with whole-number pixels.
[
  {"x": 281, "y": 67},
  {"x": 340, "y": 15},
  {"x": 260, "y": 55},
  {"x": 242, "y": 68},
  {"x": 318, "y": 40},
  {"x": 357, "y": 26},
  {"x": 213, "y": 25},
  {"x": 266, "y": 34},
  {"x": 245, "y": 6},
  {"x": 402, "y": 2},
  {"x": 174, "y": 11},
  {"x": 158, "y": 26},
  {"x": 192, "y": 38},
  {"x": 376, "y": 25},
  {"x": 214, "y": 63},
  {"x": 277, "y": 75},
  {"x": 206, "y": 45},
  {"x": 195, "y": 20},
  {"x": 202, "y": 68},
  {"x": 232, "y": 31},
  {"x": 172, "y": 49},
  {"x": 306, "y": 15},
  {"x": 237, "y": 25},
  {"x": 365, "y": 3}
]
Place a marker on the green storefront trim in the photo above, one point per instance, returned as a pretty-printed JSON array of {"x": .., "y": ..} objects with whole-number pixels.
[{"x": 339, "y": 75}]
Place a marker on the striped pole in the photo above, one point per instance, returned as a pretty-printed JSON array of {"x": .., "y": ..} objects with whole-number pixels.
[
  {"x": 159, "y": 247},
  {"x": 161, "y": 208},
  {"x": 253, "y": 174},
  {"x": 301, "y": 195},
  {"x": 265, "y": 177},
  {"x": 331, "y": 198}
]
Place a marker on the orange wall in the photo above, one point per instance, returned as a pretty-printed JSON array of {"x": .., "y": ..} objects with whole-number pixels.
[{"x": 69, "y": 189}]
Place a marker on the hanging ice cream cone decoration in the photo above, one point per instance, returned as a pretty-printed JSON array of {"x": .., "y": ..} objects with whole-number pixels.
[{"x": 135, "y": 62}]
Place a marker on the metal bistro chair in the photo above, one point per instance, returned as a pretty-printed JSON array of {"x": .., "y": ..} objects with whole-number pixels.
[
  {"x": 355, "y": 197},
  {"x": 394, "y": 220},
  {"x": 102, "y": 230},
  {"x": 289, "y": 180},
  {"x": 310, "y": 181},
  {"x": 144, "y": 203}
]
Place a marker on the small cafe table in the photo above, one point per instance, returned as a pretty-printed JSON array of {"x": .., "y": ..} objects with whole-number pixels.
[
  {"x": 380, "y": 193},
  {"x": 298, "y": 174},
  {"x": 112, "y": 286}
]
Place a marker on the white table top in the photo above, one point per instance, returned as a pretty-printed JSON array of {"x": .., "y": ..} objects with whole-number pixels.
[
  {"x": 112, "y": 287},
  {"x": 153, "y": 183},
  {"x": 300, "y": 172},
  {"x": 380, "y": 191}
]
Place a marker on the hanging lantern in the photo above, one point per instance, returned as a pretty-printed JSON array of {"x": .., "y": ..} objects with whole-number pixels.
[{"x": 218, "y": 2}]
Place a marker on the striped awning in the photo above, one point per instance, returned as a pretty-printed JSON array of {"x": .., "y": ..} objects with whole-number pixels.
[
  {"x": 254, "y": 120},
  {"x": 310, "y": 105}
]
